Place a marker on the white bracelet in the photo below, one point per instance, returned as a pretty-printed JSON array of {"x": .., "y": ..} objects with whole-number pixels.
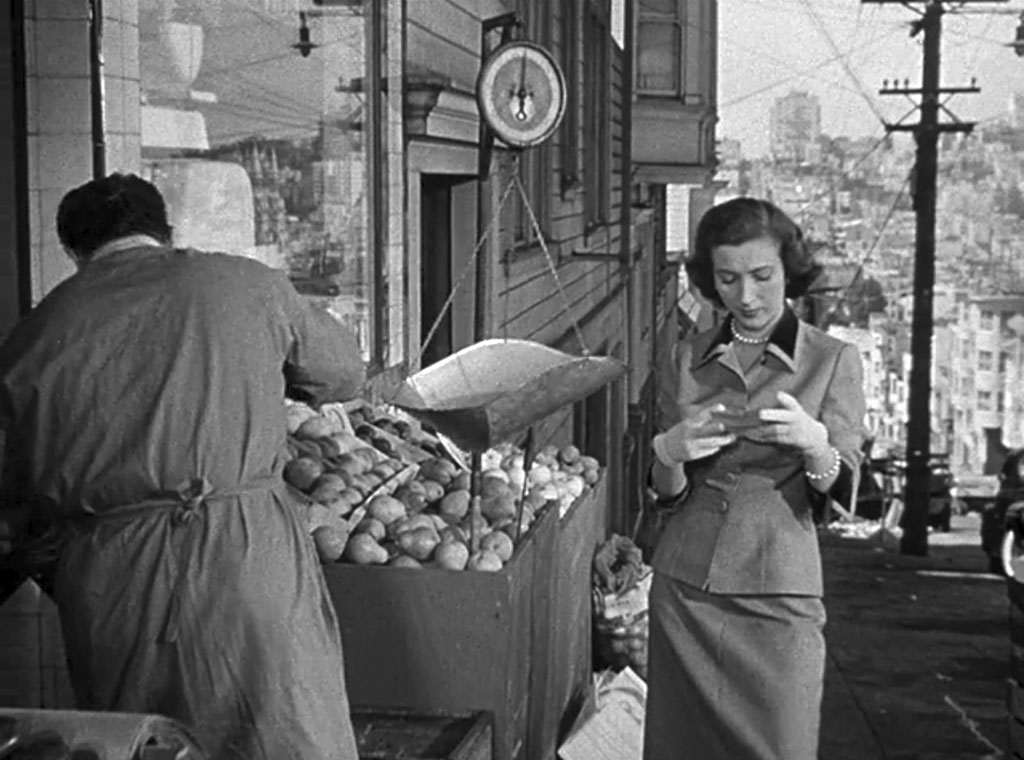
[{"x": 830, "y": 472}]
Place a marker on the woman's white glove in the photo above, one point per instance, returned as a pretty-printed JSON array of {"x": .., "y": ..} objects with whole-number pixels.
[
  {"x": 694, "y": 437},
  {"x": 791, "y": 425}
]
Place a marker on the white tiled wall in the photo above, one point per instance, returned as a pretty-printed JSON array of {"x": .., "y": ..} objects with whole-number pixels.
[
  {"x": 59, "y": 113},
  {"x": 59, "y": 125}
]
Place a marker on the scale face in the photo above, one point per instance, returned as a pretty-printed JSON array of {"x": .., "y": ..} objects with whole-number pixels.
[{"x": 521, "y": 94}]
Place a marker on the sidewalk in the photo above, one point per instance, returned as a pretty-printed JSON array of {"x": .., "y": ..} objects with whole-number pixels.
[{"x": 918, "y": 651}]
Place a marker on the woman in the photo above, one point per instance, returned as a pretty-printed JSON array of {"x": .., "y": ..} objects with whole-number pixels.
[{"x": 770, "y": 415}]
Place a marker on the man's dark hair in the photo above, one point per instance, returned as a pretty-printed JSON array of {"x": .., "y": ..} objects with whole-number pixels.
[
  {"x": 739, "y": 221},
  {"x": 109, "y": 208}
]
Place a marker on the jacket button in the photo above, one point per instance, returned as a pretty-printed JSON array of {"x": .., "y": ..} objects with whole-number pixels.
[{"x": 724, "y": 506}]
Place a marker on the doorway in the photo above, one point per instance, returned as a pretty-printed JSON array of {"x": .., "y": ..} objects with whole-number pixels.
[{"x": 447, "y": 240}]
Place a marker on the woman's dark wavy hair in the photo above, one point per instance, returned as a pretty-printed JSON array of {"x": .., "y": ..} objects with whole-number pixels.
[
  {"x": 105, "y": 209},
  {"x": 739, "y": 221}
]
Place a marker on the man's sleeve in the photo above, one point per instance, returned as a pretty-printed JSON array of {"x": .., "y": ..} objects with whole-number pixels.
[{"x": 323, "y": 361}]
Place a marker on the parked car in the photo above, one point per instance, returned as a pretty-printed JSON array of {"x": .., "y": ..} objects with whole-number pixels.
[
  {"x": 883, "y": 480},
  {"x": 993, "y": 515}
]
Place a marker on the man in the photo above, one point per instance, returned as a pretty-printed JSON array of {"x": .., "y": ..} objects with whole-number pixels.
[{"x": 143, "y": 404}]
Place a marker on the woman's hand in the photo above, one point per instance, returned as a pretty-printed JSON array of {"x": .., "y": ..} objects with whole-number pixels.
[
  {"x": 694, "y": 437},
  {"x": 791, "y": 425}
]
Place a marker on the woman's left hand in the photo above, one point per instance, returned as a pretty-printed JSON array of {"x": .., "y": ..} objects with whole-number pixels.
[{"x": 790, "y": 425}]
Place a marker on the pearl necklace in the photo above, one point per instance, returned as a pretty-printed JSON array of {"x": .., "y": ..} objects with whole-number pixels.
[{"x": 740, "y": 338}]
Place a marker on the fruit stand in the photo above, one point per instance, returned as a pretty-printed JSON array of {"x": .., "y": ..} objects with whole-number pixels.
[{"x": 451, "y": 603}]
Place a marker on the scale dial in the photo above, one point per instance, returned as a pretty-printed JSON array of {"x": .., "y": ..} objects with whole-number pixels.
[{"x": 521, "y": 94}]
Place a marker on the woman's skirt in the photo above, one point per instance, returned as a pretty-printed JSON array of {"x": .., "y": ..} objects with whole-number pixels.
[{"x": 733, "y": 677}]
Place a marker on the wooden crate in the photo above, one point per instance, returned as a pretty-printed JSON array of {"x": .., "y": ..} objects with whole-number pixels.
[
  {"x": 564, "y": 678},
  {"x": 450, "y": 642},
  {"x": 383, "y": 735}
]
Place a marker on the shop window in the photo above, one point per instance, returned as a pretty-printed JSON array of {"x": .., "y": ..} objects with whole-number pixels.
[
  {"x": 984, "y": 401},
  {"x": 596, "y": 89},
  {"x": 988, "y": 320},
  {"x": 259, "y": 122}
]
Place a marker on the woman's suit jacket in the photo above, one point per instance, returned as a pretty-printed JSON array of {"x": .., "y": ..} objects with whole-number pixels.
[{"x": 745, "y": 525}]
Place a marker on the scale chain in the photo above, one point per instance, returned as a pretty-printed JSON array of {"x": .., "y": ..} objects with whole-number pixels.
[{"x": 551, "y": 264}]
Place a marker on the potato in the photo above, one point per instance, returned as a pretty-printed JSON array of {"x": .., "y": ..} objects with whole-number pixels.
[
  {"x": 432, "y": 490},
  {"x": 485, "y": 561},
  {"x": 539, "y": 474},
  {"x": 498, "y": 473},
  {"x": 330, "y": 481},
  {"x": 414, "y": 502},
  {"x": 475, "y": 522},
  {"x": 384, "y": 470},
  {"x": 296, "y": 413},
  {"x": 589, "y": 462},
  {"x": 362, "y": 549},
  {"x": 493, "y": 487},
  {"x": 411, "y": 522},
  {"x": 373, "y": 526},
  {"x": 452, "y": 555},
  {"x": 498, "y": 542},
  {"x": 454, "y": 533},
  {"x": 404, "y": 560},
  {"x": 368, "y": 456},
  {"x": 386, "y": 508},
  {"x": 333, "y": 502},
  {"x": 315, "y": 427},
  {"x": 330, "y": 542},
  {"x": 415, "y": 486},
  {"x": 439, "y": 470},
  {"x": 419, "y": 542},
  {"x": 348, "y": 465},
  {"x": 454, "y": 505},
  {"x": 303, "y": 472},
  {"x": 569, "y": 454},
  {"x": 461, "y": 482},
  {"x": 498, "y": 506},
  {"x": 352, "y": 497}
]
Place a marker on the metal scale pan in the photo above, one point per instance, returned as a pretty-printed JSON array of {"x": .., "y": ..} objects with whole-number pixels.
[{"x": 490, "y": 391}]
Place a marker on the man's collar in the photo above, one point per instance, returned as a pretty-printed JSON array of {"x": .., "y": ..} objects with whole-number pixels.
[
  {"x": 123, "y": 244},
  {"x": 782, "y": 341}
]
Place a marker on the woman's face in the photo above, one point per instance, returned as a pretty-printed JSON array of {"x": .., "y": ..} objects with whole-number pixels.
[{"x": 751, "y": 281}]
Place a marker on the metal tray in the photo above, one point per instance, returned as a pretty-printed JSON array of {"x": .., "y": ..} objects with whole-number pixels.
[{"x": 493, "y": 389}]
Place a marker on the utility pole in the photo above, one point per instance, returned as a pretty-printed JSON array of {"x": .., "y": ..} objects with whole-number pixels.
[{"x": 926, "y": 134}]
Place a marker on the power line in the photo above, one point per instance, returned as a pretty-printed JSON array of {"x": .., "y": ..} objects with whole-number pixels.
[
  {"x": 798, "y": 73},
  {"x": 843, "y": 61}
]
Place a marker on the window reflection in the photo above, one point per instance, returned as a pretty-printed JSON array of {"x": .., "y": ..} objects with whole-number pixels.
[{"x": 251, "y": 129}]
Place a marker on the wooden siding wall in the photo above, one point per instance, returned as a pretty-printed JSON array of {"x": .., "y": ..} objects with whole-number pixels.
[
  {"x": 528, "y": 304},
  {"x": 444, "y": 36},
  {"x": 595, "y": 293}
]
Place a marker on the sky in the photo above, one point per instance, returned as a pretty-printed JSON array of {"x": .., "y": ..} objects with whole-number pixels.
[{"x": 842, "y": 50}]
